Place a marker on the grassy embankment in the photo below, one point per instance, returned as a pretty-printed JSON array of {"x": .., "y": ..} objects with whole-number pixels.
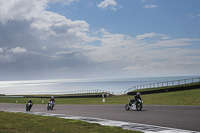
[
  {"x": 186, "y": 97},
  {"x": 27, "y": 123},
  {"x": 190, "y": 96}
]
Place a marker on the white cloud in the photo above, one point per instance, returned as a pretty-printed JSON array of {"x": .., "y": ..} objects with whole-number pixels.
[
  {"x": 46, "y": 42},
  {"x": 174, "y": 42},
  {"x": 108, "y": 3},
  {"x": 193, "y": 16},
  {"x": 6, "y": 59},
  {"x": 133, "y": 68},
  {"x": 150, "y": 6},
  {"x": 57, "y": 25},
  {"x": 65, "y": 2},
  {"x": 1, "y": 50},
  {"x": 20, "y": 9},
  {"x": 150, "y": 35},
  {"x": 18, "y": 50},
  {"x": 126, "y": 54},
  {"x": 25, "y": 9}
]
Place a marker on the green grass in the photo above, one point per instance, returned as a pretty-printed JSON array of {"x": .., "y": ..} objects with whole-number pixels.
[
  {"x": 109, "y": 100},
  {"x": 27, "y": 123},
  {"x": 187, "y": 97}
]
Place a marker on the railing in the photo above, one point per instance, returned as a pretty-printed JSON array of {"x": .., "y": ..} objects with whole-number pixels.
[
  {"x": 11, "y": 96},
  {"x": 164, "y": 84},
  {"x": 90, "y": 91}
]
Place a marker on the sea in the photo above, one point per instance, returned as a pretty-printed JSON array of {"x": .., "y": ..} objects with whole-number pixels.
[{"x": 74, "y": 86}]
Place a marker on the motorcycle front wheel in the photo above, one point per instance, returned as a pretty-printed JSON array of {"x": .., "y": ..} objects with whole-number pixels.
[
  {"x": 139, "y": 107},
  {"x": 127, "y": 108},
  {"x": 28, "y": 109}
]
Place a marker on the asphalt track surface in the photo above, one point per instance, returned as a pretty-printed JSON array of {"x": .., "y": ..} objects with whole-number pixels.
[{"x": 181, "y": 117}]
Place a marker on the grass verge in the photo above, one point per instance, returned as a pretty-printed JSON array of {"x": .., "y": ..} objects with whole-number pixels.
[
  {"x": 187, "y": 97},
  {"x": 27, "y": 123}
]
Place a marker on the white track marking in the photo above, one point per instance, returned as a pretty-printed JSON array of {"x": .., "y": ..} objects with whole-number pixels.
[{"x": 124, "y": 125}]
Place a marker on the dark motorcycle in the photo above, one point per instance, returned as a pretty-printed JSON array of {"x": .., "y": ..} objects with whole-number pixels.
[
  {"x": 50, "y": 106},
  {"x": 29, "y": 106},
  {"x": 137, "y": 104}
]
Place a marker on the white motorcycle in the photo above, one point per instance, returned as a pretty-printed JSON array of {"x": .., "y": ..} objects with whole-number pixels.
[
  {"x": 29, "y": 106},
  {"x": 50, "y": 105},
  {"x": 135, "y": 105}
]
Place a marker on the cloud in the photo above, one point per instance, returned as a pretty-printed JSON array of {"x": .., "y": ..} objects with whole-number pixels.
[
  {"x": 56, "y": 25},
  {"x": 18, "y": 50},
  {"x": 108, "y": 3},
  {"x": 30, "y": 36},
  {"x": 150, "y": 6},
  {"x": 65, "y": 2},
  {"x": 175, "y": 42},
  {"x": 150, "y": 35},
  {"x": 21, "y": 9},
  {"x": 25, "y": 9},
  {"x": 1, "y": 50},
  {"x": 193, "y": 16},
  {"x": 37, "y": 43},
  {"x": 127, "y": 55}
]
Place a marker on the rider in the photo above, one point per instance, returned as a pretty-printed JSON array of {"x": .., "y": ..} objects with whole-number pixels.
[
  {"x": 52, "y": 100},
  {"x": 136, "y": 97}
]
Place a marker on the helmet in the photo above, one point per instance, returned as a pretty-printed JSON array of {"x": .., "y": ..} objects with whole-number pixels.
[
  {"x": 52, "y": 97},
  {"x": 138, "y": 94}
]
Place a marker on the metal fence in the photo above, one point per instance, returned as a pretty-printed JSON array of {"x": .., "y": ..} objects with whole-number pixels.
[
  {"x": 164, "y": 84},
  {"x": 90, "y": 92},
  {"x": 3, "y": 96}
]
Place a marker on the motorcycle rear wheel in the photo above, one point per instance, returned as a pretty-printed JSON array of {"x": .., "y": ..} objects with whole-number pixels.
[{"x": 127, "y": 108}]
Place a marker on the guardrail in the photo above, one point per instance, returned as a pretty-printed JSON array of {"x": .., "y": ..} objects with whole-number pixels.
[
  {"x": 11, "y": 96},
  {"x": 69, "y": 92},
  {"x": 90, "y": 92},
  {"x": 163, "y": 84}
]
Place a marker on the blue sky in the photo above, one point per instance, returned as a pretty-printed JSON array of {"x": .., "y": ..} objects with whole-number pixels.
[
  {"x": 133, "y": 17},
  {"x": 51, "y": 39}
]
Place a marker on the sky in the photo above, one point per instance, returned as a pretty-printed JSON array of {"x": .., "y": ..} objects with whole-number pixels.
[{"x": 58, "y": 39}]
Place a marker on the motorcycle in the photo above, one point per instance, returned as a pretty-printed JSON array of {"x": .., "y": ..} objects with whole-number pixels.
[
  {"x": 137, "y": 104},
  {"x": 29, "y": 106},
  {"x": 50, "y": 105}
]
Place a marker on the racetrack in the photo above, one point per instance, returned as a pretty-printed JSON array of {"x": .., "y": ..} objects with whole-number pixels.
[{"x": 181, "y": 117}]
